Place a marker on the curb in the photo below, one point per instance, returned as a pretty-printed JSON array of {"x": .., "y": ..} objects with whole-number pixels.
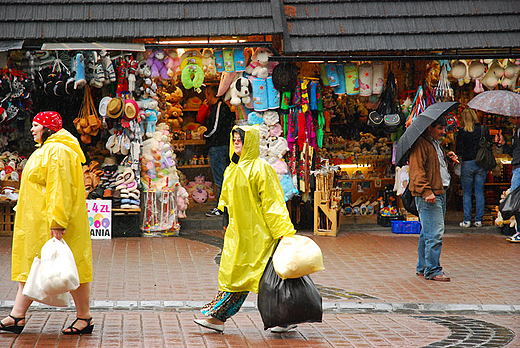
[{"x": 328, "y": 307}]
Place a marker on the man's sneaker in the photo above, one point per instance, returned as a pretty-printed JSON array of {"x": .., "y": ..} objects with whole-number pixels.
[
  {"x": 214, "y": 212},
  {"x": 515, "y": 238},
  {"x": 465, "y": 224},
  {"x": 478, "y": 224}
]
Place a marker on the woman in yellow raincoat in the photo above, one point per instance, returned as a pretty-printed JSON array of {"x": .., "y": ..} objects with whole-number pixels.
[
  {"x": 52, "y": 203},
  {"x": 258, "y": 217}
]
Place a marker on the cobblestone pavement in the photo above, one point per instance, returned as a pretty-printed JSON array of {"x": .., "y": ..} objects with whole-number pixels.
[{"x": 147, "y": 291}]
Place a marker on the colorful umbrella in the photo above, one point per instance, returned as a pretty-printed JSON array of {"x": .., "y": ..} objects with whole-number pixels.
[{"x": 498, "y": 102}]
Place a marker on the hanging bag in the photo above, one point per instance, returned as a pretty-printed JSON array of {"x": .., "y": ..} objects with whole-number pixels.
[
  {"x": 59, "y": 273},
  {"x": 485, "y": 158},
  {"x": 511, "y": 204}
]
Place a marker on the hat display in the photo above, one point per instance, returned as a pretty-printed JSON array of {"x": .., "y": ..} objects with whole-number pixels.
[
  {"x": 131, "y": 109},
  {"x": 115, "y": 108},
  {"x": 285, "y": 77},
  {"x": 103, "y": 104}
]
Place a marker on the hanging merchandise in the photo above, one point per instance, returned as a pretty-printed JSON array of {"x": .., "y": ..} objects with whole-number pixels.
[
  {"x": 379, "y": 77},
  {"x": 191, "y": 67},
  {"x": 365, "y": 79},
  {"x": 443, "y": 91},
  {"x": 332, "y": 74},
  {"x": 323, "y": 75},
  {"x": 352, "y": 79},
  {"x": 341, "y": 87},
  {"x": 239, "y": 60},
  {"x": 285, "y": 77},
  {"x": 229, "y": 64},
  {"x": 208, "y": 63},
  {"x": 88, "y": 123},
  {"x": 78, "y": 66},
  {"x": 388, "y": 111},
  {"x": 273, "y": 96},
  {"x": 423, "y": 98},
  {"x": 219, "y": 61},
  {"x": 260, "y": 97}
]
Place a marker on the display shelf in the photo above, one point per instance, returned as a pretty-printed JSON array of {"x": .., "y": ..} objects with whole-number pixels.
[
  {"x": 190, "y": 142},
  {"x": 497, "y": 184},
  {"x": 194, "y": 166},
  {"x": 120, "y": 211}
]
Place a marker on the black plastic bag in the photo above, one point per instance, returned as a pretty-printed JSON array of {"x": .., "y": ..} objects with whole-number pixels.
[
  {"x": 511, "y": 204},
  {"x": 409, "y": 202},
  {"x": 290, "y": 301}
]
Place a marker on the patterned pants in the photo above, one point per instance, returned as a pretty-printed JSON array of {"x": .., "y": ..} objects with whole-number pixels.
[{"x": 225, "y": 305}]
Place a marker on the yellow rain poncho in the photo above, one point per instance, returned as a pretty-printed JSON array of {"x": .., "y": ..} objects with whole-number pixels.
[
  {"x": 52, "y": 193},
  {"x": 258, "y": 216}
]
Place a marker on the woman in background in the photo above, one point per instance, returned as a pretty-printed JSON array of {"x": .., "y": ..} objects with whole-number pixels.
[{"x": 471, "y": 174}]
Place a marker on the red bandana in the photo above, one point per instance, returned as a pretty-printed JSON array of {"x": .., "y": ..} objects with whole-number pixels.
[{"x": 49, "y": 119}]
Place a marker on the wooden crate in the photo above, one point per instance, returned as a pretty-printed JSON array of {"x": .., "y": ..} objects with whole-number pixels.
[{"x": 6, "y": 219}]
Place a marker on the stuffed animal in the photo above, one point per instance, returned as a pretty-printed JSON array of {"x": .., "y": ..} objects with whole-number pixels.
[
  {"x": 151, "y": 115},
  {"x": 260, "y": 65},
  {"x": 200, "y": 190},
  {"x": 208, "y": 62},
  {"x": 240, "y": 91},
  {"x": 182, "y": 201},
  {"x": 172, "y": 62},
  {"x": 511, "y": 72},
  {"x": 493, "y": 75},
  {"x": 156, "y": 62}
]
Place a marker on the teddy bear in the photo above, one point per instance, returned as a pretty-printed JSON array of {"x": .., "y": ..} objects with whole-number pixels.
[
  {"x": 151, "y": 115},
  {"x": 260, "y": 65},
  {"x": 240, "y": 91},
  {"x": 182, "y": 201},
  {"x": 208, "y": 62},
  {"x": 172, "y": 62},
  {"x": 156, "y": 62}
]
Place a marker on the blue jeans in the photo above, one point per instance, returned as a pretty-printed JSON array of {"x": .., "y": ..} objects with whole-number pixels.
[
  {"x": 515, "y": 182},
  {"x": 431, "y": 216},
  {"x": 472, "y": 174},
  {"x": 218, "y": 160}
]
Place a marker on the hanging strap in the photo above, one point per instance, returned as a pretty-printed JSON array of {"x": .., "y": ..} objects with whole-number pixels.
[{"x": 216, "y": 121}]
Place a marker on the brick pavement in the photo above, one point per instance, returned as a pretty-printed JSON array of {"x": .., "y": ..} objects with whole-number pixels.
[{"x": 147, "y": 291}]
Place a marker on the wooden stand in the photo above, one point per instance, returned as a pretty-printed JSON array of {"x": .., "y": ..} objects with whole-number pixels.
[{"x": 326, "y": 205}]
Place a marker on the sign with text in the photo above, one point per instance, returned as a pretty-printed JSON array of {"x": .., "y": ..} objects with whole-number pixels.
[{"x": 100, "y": 218}]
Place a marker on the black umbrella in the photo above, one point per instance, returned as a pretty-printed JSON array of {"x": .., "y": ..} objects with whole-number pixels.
[{"x": 419, "y": 125}]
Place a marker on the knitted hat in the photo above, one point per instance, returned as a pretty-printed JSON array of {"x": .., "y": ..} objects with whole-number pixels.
[
  {"x": 285, "y": 77},
  {"x": 49, "y": 119}
]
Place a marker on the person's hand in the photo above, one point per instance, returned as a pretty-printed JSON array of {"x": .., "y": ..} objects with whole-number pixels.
[
  {"x": 430, "y": 198},
  {"x": 451, "y": 155},
  {"x": 499, "y": 139},
  {"x": 58, "y": 233}
]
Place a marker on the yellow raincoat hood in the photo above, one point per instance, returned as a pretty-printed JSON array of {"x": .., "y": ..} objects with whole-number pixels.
[
  {"x": 52, "y": 194},
  {"x": 258, "y": 216}
]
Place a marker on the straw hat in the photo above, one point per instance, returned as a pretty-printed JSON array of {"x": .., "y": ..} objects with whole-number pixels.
[
  {"x": 131, "y": 109},
  {"x": 103, "y": 104},
  {"x": 115, "y": 108}
]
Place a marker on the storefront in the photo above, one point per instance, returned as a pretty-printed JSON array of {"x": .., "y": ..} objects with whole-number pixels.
[{"x": 133, "y": 102}]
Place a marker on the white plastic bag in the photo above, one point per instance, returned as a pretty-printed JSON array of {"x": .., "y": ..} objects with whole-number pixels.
[
  {"x": 58, "y": 271},
  {"x": 33, "y": 289},
  {"x": 297, "y": 256}
]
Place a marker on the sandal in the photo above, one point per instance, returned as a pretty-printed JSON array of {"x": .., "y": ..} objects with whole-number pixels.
[
  {"x": 17, "y": 329},
  {"x": 75, "y": 331}
]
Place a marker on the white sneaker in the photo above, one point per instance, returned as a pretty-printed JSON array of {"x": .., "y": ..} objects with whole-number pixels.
[
  {"x": 282, "y": 329},
  {"x": 515, "y": 238},
  {"x": 204, "y": 323},
  {"x": 465, "y": 224},
  {"x": 478, "y": 224}
]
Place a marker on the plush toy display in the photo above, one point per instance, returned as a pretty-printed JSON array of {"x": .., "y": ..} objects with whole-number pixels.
[
  {"x": 182, "y": 201},
  {"x": 493, "y": 75},
  {"x": 149, "y": 115},
  {"x": 200, "y": 190},
  {"x": 172, "y": 62},
  {"x": 240, "y": 91},
  {"x": 156, "y": 62},
  {"x": 208, "y": 62}
]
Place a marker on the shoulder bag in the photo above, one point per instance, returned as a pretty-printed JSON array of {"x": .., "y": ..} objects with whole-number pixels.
[{"x": 485, "y": 158}]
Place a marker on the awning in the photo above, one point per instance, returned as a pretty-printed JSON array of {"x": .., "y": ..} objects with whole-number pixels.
[
  {"x": 10, "y": 45},
  {"x": 93, "y": 46}
]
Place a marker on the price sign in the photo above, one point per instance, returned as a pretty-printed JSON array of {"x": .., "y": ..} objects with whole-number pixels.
[{"x": 100, "y": 218}]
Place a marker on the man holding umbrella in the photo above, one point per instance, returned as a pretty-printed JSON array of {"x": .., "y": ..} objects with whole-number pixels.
[
  {"x": 429, "y": 180},
  {"x": 514, "y": 151}
]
